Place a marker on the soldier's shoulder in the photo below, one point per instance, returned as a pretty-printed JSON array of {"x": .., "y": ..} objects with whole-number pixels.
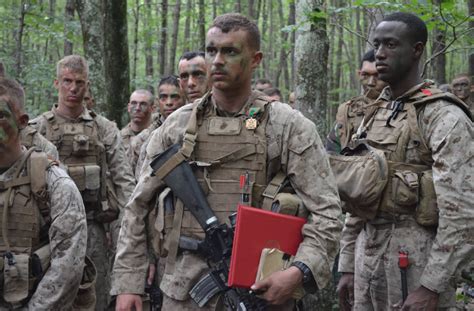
[
  {"x": 179, "y": 118},
  {"x": 105, "y": 123},
  {"x": 44, "y": 117}
]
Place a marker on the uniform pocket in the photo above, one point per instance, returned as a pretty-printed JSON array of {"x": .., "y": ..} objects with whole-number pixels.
[{"x": 405, "y": 187}]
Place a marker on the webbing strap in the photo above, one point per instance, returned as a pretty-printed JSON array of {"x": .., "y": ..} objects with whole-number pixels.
[
  {"x": 24, "y": 180},
  {"x": 174, "y": 237},
  {"x": 237, "y": 154},
  {"x": 272, "y": 190},
  {"x": 170, "y": 165}
]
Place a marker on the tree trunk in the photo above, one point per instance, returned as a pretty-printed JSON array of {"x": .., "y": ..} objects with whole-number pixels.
[
  {"x": 148, "y": 44},
  {"x": 292, "y": 21},
  {"x": 19, "y": 40},
  {"x": 438, "y": 64},
  {"x": 174, "y": 36},
  {"x": 92, "y": 36},
  {"x": 312, "y": 48},
  {"x": 283, "y": 64},
  {"x": 238, "y": 6},
  {"x": 251, "y": 11},
  {"x": 266, "y": 57},
  {"x": 163, "y": 37},
  {"x": 187, "y": 26},
  {"x": 136, "y": 15},
  {"x": 68, "y": 19},
  {"x": 202, "y": 25},
  {"x": 338, "y": 69},
  {"x": 470, "y": 6},
  {"x": 117, "y": 70}
]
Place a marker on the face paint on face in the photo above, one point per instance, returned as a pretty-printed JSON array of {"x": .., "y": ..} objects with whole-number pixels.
[
  {"x": 9, "y": 129},
  {"x": 193, "y": 77},
  {"x": 230, "y": 59},
  {"x": 169, "y": 99},
  {"x": 461, "y": 87}
]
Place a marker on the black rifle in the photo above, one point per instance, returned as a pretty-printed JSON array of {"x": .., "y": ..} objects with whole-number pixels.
[{"x": 217, "y": 245}]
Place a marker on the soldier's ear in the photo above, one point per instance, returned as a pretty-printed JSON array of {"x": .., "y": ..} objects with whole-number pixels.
[
  {"x": 56, "y": 84},
  {"x": 256, "y": 59},
  {"x": 23, "y": 121}
]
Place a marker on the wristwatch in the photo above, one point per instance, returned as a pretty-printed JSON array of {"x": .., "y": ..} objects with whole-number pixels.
[{"x": 309, "y": 283}]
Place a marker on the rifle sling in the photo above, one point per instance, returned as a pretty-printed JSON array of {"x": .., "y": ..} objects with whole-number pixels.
[{"x": 174, "y": 238}]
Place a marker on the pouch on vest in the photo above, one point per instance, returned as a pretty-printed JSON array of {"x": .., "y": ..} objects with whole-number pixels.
[
  {"x": 427, "y": 210},
  {"x": 289, "y": 204},
  {"x": 87, "y": 180},
  {"x": 86, "y": 298},
  {"x": 405, "y": 187},
  {"x": 361, "y": 176},
  {"x": 110, "y": 206},
  {"x": 80, "y": 145},
  {"x": 16, "y": 279}
]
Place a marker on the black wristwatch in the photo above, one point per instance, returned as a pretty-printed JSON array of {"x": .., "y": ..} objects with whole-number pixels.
[{"x": 309, "y": 283}]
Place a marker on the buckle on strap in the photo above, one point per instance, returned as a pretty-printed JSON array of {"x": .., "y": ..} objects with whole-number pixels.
[
  {"x": 189, "y": 141},
  {"x": 274, "y": 186}
]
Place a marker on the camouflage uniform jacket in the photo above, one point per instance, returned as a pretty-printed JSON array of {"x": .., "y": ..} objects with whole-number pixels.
[
  {"x": 139, "y": 142},
  {"x": 30, "y": 137},
  {"x": 350, "y": 115},
  {"x": 109, "y": 136},
  {"x": 127, "y": 135},
  {"x": 68, "y": 240},
  {"x": 448, "y": 133},
  {"x": 293, "y": 142}
]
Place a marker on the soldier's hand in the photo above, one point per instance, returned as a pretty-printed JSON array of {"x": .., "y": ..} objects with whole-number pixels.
[
  {"x": 151, "y": 273},
  {"x": 128, "y": 302},
  {"x": 278, "y": 287},
  {"x": 345, "y": 291},
  {"x": 421, "y": 299}
]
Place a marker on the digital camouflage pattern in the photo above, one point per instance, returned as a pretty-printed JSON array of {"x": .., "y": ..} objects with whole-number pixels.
[
  {"x": 293, "y": 142},
  {"x": 349, "y": 116},
  {"x": 127, "y": 134},
  {"x": 119, "y": 172},
  {"x": 436, "y": 255},
  {"x": 67, "y": 238},
  {"x": 30, "y": 137},
  {"x": 139, "y": 142}
]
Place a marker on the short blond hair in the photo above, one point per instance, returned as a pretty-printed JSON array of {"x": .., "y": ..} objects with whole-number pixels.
[{"x": 75, "y": 63}]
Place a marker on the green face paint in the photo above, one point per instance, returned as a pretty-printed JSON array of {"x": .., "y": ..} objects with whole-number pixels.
[{"x": 8, "y": 125}]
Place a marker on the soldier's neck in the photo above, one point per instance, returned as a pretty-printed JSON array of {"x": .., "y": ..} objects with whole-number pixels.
[
  {"x": 138, "y": 127},
  {"x": 403, "y": 85},
  {"x": 230, "y": 101},
  {"x": 9, "y": 155},
  {"x": 68, "y": 112}
]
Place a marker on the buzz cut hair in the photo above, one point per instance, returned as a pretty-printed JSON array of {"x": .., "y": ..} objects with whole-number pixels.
[
  {"x": 147, "y": 93},
  {"x": 369, "y": 56},
  {"x": 416, "y": 26},
  {"x": 14, "y": 93},
  {"x": 234, "y": 22},
  {"x": 192, "y": 54},
  {"x": 263, "y": 81},
  {"x": 171, "y": 80},
  {"x": 75, "y": 63},
  {"x": 463, "y": 75}
]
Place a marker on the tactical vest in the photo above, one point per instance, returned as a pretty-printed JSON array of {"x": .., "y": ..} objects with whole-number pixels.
[
  {"x": 27, "y": 136},
  {"x": 83, "y": 154},
  {"x": 349, "y": 117},
  {"x": 394, "y": 129},
  {"x": 24, "y": 247},
  {"x": 225, "y": 149}
]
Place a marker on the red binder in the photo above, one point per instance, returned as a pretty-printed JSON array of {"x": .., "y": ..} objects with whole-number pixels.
[{"x": 257, "y": 229}]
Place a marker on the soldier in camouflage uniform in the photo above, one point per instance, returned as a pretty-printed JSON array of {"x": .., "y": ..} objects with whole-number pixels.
[
  {"x": 170, "y": 98},
  {"x": 351, "y": 113},
  {"x": 461, "y": 87},
  {"x": 272, "y": 139},
  {"x": 427, "y": 138},
  {"x": 193, "y": 77},
  {"x": 140, "y": 109},
  {"x": 45, "y": 217},
  {"x": 90, "y": 147}
]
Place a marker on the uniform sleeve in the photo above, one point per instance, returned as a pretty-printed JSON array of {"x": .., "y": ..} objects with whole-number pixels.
[
  {"x": 449, "y": 135},
  {"x": 304, "y": 157},
  {"x": 46, "y": 146},
  {"x": 118, "y": 164},
  {"x": 131, "y": 261},
  {"x": 352, "y": 227},
  {"x": 67, "y": 241}
]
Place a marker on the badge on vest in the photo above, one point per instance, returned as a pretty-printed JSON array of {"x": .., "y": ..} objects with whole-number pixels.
[{"x": 251, "y": 123}]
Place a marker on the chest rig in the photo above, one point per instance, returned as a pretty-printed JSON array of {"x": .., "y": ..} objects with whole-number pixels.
[
  {"x": 225, "y": 150},
  {"x": 393, "y": 128},
  {"x": 83, "y": 154},
  {"x": 25, "y": 212}
]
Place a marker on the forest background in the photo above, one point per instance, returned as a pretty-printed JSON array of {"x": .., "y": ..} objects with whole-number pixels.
[{"x": 311, "y": 46}]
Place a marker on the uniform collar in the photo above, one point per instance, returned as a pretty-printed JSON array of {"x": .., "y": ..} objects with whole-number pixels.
[
  {"x": 386, "y": 94},
  {"x": 209, "y": 101},
  {"x": 8, "y": 174},
  {"x": 86, "y": 115}
]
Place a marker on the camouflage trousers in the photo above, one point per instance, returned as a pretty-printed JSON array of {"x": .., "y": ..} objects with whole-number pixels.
[
  {"x": 377, "y": 280},
  {"x": 97, "y": 250}
]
